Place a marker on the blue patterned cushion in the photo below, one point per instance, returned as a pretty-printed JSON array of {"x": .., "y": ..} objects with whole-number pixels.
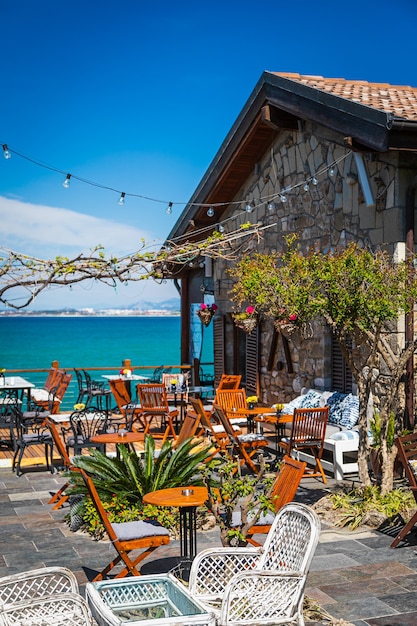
[
  {"x": 350, "y": 411},
  {"x": 335, "y": 404},
  {"x": 311, "y": 400}
]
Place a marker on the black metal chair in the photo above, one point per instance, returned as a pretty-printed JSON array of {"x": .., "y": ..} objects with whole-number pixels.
[
  {"x": 29, "y": 429},
  {"x": 8, "y": 402},
  {"x": 82, "y": 387},
  {"x": 83, "y": 426},
  {"x": 96, "y": 392}
]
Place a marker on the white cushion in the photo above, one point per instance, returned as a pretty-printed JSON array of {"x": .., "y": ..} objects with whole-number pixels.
[
  {"x": 265, "y": 518},
  {"x": 126, "y": 531}
]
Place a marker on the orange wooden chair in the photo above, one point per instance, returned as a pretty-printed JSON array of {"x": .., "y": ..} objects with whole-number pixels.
[
  {"x": 216, "y": 432},
  {"x": 126, "y": 537},
  {"x": 230, "y": 400},
  {"x": 307, "y": 433},
  {"x": 124, "y": 402},
  {"x": 154, "y": 404},
  {"x": 245, "y": 446},
  {"x": 282, "y": 492},
  {"x": 407, "y": 453},
  {"x": 53, "y": 402},
  {"x": 59, "y": 497}
]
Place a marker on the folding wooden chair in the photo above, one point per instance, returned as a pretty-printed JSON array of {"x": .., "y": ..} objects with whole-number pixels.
[
  {"x": 282, "y": 492},
  {"x": 126, "y": 536},
  {"x": 407, "y": 453},
  {"x": 59, "y": 497},
  {"x": 216, "y": 432},
  {"x": 154, "y": 403},
  {"x": 124, "y": 402},
  {"x": 245, "y": 447},
  {"x": 55, "y": 395},
  {"x": 307, "y": 433}
]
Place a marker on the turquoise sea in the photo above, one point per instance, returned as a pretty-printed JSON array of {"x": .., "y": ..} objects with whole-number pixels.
[{"x": 88, "y": 342}]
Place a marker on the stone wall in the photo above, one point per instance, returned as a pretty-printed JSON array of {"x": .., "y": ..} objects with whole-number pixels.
[{"x": 322, "y": 201}]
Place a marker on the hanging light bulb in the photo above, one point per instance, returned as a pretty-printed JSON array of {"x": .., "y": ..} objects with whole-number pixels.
[
  {"x": 168, "y": 210},
  {"x": 6, "y": 152},
  {"x": 66, "y": 182},
  {"x": 210, "y": 211},
  {"x": 271, "y": 206},
  {"x": 314, "y": 181},
  {"x": 249, "y": 207},
  {"x": 283, "y": 197},
  {"x": 220, "y": 228},
  {"x": 122, "y": 199},
  {"x": 306, "y": 186},
  {"x": 332, "y": 171}
]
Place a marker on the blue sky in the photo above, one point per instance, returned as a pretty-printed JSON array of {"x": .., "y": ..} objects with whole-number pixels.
[{"x": 138, "y": 96}]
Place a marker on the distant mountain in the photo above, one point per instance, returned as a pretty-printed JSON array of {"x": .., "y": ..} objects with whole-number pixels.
[{"x": 173, "y": 304}]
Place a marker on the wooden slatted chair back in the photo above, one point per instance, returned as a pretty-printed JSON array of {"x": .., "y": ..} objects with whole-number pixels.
[
  {"x": 229, "y": 381},
  {"x": 307, "y": 433},
  {"x": 230, "y": 399},
  {"x": 188, "y": 429},
  {"x": 153, "y": 397},
  {"x": 53, "y": 378},
  {"x": 120, "y": 393},
  {"x": 287, "y": 481}
]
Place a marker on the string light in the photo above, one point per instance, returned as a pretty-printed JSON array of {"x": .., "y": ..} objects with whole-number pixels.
[
  {"x": 122, "y": 199},
  {"x": 66, "y": 182},
  {"x": 249, "y": 208},
  {"x": 210, "y": 211}
]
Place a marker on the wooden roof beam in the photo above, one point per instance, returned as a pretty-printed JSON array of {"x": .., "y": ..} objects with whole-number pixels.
[{"x": 278, "y": 119}]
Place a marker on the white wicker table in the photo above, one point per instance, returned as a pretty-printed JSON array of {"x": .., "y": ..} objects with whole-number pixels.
[{"x": 154, "y": 600}]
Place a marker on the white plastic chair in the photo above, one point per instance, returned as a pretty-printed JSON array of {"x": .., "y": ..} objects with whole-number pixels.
[{"x": 264, "y": 585}]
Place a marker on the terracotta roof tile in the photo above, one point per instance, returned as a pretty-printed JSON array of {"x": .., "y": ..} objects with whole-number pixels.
[{"x": 401, "y": 101}]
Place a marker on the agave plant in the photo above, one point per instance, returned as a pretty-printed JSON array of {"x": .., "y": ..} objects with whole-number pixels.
[{"x": 132, "y": 475}]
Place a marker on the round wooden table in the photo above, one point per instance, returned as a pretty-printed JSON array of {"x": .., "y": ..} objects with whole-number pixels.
[
  {"x": 252, "y": 414},
  {"x": 187, "y": 502}
]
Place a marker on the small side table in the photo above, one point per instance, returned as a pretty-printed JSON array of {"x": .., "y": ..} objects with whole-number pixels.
[{"x": 187, "y": 499}]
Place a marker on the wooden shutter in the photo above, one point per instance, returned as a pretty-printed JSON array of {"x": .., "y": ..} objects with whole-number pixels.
[
  {"x": 341, "y": 373},
  {"x": 252, "y": 363},
  {"x": 219, "y": 357}
]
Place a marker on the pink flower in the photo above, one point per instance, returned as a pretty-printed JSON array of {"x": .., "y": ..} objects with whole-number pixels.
[
  {"x": 250, "y": 310},
  {"x": 214, "y": 307},
  {"x": 203, "y": 306},
  {"x": 293, "y": 317}
]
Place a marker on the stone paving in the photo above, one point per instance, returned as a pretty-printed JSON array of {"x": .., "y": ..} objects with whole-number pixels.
[{"x": 354, "y": 576}]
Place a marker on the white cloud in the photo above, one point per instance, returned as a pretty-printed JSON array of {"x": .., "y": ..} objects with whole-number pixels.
[{"x": 47, "y": 231}]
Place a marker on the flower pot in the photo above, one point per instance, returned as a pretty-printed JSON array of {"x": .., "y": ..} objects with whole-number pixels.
[
  {"x": 205, "y": 316},
  {"x": 247, "y": 324}
]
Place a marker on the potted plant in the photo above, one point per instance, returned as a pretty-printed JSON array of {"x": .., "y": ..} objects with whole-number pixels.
[
  {"x": 246, "y": 320},
  {"x": 206, "y": 312},
  {"x": 231, "y": 491}
]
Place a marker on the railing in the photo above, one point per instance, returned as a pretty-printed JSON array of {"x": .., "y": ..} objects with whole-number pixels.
[{"x": 38, "y": 376}]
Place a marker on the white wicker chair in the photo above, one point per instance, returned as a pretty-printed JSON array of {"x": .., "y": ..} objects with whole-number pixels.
[
  {"x": 264, "y": 585},
  {"x": 60, "y": 609},
  {"x": 36, "y": 583}
]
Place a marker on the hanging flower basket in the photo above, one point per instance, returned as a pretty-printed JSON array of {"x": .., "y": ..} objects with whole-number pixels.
[
  {"x": 206, "y": 312},
  {"x": 247, "y": 320}
]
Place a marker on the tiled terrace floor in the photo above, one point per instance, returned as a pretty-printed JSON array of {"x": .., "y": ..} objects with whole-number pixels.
[{"x": 354, "y": 576}]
